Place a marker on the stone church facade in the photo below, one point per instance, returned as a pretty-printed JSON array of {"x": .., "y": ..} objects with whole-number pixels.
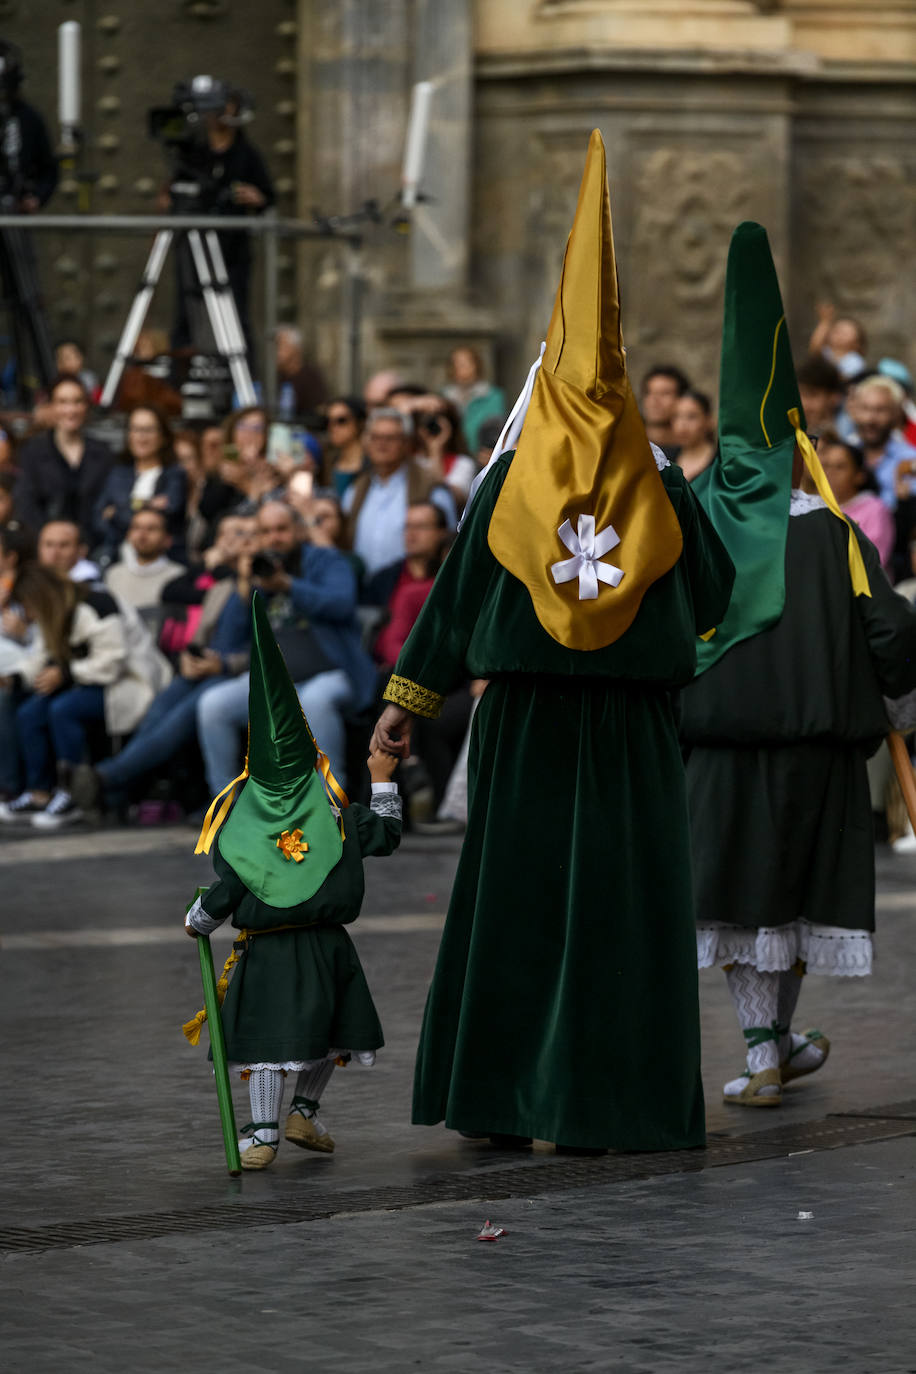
[{"x": 799, "y": 113}]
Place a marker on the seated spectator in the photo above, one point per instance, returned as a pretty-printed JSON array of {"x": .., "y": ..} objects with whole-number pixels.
[
  {"x": 62, "y": 472},
  {"x": 62, "y": 548},
  {"x": 876, "y": 410},
  {"x": 900, "y": 373},
  {"x": 841, "y": 340},
  {"x": 346, "y": 458},
  {"x": 310, "y": 589},
  {"x": 144, "y": 568},
  {"x": 441, "y": 447},
  {"x": 70, "y": 358},
  {"x": 488, "y": 438},
  {"x": 244, "y": 466},
  {"x": 7, "y": 483},
  {"x": 474, "y": 398},
  {"x": 402, "y": 587},
  {"x": 692, "y": 430},
  {"x": 380, "y": 386},
  {"x": 217, "y": 650},
  {"x": 820, "y": 387},
  {"x": 76, "y": 663},
  {"x": 376, "y": 504},
  {"x": 196, "y": 527},
  {"x": 17, "y": 550},
  {"x": 856, "y": 492},
  {"x": 146, "y": 475},
  {"x": 183, "y": 597},
  {"x": 7, "y": 453},
  {"x": 301, "y": 387},
  {"x": 661, "y": 387}
]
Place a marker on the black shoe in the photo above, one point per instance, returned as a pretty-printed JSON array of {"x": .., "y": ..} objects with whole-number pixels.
[{"x": 21, "y": 808}]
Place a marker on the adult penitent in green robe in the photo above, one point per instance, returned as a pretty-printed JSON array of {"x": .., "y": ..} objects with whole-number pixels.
[{"x": 564, "y": 1000}]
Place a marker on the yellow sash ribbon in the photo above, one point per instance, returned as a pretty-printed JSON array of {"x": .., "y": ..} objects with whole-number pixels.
[{"x": 858, "y": 575}]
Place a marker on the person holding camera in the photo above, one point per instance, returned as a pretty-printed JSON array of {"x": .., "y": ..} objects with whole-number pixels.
[
  {"x": 310, "y": 589},
  {"x": 231, "y": 178},
  {"x": 442, "y": 447}
]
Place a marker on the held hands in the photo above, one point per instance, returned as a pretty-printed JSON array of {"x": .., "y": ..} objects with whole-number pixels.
[
  {"x": 194, "y": 667},
  {"x": 381, "y": 765},
  {"x": 49, "y": 680},
  {"x": 392, "y": 732}
]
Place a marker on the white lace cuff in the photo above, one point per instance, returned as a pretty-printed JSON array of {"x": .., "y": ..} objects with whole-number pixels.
[{"x": 198, "y": 920}]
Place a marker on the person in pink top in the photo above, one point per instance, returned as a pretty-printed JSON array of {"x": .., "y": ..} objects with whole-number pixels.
[{"x": 856, "y": 492}]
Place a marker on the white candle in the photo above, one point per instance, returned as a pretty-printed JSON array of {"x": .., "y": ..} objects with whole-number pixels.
[
  {"x": 68, "y": 74},
  {"x": 415, "y": 146}
]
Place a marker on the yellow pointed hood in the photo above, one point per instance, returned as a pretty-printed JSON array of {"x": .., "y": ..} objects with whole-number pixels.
[{"x": 583, "y": 518}]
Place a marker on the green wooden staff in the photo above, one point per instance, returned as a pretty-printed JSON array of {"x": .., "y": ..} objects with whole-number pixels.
[{"x": 218, "y": 1050}]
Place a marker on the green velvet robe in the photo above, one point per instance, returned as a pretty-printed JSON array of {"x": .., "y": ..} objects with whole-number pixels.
[
  {"x": 295, "y": 994},
  {"x": 779, "y": 731},
  {"x": 564, "y": 1000}
]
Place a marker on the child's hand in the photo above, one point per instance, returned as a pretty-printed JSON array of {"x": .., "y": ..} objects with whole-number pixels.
[{"x": 381, "y": 765}]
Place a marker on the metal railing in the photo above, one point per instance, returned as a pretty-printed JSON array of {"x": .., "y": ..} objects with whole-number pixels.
[{"x": 268, "y": 226}]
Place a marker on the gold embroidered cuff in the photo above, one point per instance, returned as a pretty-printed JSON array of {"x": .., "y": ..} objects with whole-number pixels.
[{"x": 419, "y": 701}]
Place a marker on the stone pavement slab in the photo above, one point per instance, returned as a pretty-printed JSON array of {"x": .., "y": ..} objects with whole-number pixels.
[{"x": 715, "y": 1270}]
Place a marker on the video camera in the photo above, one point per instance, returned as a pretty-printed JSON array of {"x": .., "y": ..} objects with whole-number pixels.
[{"x": 182, "y": 130}]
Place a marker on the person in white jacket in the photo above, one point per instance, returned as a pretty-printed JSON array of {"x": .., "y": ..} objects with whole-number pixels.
[{"x": 78, "y": 670}]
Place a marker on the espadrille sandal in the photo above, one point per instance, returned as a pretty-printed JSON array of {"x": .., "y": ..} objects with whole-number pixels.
[
  {"x": 749, "y": 1095},
  {"x": 305, "y": 1130},
  {"x": 259, "y": 1153},
  {"x": 818, "y": 1039}
]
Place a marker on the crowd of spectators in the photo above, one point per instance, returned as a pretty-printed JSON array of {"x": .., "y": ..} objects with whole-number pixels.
[{"x": 126, "y": 571}]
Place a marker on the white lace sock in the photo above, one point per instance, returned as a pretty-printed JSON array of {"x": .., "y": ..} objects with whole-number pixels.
[
  {"x": 265, "y": 1091},
  {"x": 790, "y": 983},
  {"x": 756, "y": 996},
  {"x": 312, "y": 1082}
]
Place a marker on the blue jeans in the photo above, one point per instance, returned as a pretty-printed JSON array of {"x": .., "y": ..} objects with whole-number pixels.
[
  {"x": 9, "y": 747},
  {"x": 53, "y": 729},
  {"x": 222, "y": 715},
  {"x": 169, "y": 724}
]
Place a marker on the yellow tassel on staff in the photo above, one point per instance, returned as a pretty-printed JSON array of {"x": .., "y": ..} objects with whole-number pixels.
[
  {"x": 192, "y": 1029},
  {"x": 857, "y": 573}
]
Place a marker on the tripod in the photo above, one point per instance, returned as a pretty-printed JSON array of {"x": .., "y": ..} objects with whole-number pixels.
[
  {"x": 210, "y": 271},
  {"x": 23, "y": 299}
]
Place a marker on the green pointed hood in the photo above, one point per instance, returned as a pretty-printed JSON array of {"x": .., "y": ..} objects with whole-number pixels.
[
  {"x": 284, "y": 791},
  {"x": 747, "y": 490}
]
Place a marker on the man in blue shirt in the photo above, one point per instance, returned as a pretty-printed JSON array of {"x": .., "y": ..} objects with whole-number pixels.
[{"x": 877, "y": 411}]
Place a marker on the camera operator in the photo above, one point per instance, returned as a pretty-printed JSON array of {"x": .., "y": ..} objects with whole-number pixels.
[
  {"x": 28, "y": 167},
  {"x": 218, "y": 172}
]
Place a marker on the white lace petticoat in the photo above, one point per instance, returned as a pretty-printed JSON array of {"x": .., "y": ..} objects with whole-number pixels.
[
  {"x": 364, "y": 1057},
  {"x": 771, "y": 949}
]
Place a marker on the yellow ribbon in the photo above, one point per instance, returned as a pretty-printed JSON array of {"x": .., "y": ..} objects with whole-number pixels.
[
  {"x": 858, "y": 575},
  {"x": 192, "y": 1029},
  {"x": 212, "y": 824},
  {"x": 336, "y": 795}
]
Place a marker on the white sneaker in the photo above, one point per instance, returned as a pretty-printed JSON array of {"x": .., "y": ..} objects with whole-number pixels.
[
  {"x": 21, "y": 808},
  {"x": 61, "y": 810}
]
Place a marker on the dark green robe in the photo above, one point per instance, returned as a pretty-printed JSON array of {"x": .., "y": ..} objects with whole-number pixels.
[
  {"x": 564, "y": 1001},
  {"x": 295, "y": 994},
  {"x": 779, "y": 731}
]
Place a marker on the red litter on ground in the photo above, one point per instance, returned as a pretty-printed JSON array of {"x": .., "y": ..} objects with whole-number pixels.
[{"x": 491, "y": 1232}]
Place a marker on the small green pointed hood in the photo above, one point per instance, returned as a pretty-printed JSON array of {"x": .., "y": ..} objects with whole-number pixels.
[
  {"x": 284, "y": 792},
  {"x": 746, "y": 492}
]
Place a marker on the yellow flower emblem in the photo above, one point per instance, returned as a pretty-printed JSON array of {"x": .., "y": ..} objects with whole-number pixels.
[{"x": 291, "y": 846}]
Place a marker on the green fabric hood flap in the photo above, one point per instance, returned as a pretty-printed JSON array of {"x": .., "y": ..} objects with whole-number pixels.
[{"x": 284, "y": 791}]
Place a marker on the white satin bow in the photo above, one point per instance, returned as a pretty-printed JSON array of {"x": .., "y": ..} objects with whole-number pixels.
[{"x": 587, "y": 548}]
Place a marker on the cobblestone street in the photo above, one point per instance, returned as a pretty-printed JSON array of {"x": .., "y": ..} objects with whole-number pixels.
[{"x": 124, "y": 1245}]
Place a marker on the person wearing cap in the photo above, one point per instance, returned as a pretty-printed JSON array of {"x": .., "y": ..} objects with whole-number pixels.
[
  {"x": 289, "y": 866},
  {"x": 564, "y": 1000},
  {"x": 787, "y": 704}
]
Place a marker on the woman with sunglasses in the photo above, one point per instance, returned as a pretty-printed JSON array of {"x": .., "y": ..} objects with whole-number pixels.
[{"x": 346, "y": 421}]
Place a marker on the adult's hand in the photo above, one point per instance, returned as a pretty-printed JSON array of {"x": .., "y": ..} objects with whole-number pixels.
[
  {"x": 392, "y": 731},
  {"x": 48, "y": 680},
  {"x": 197, "y": 666},
  {"x": 245, "y": 194}
]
